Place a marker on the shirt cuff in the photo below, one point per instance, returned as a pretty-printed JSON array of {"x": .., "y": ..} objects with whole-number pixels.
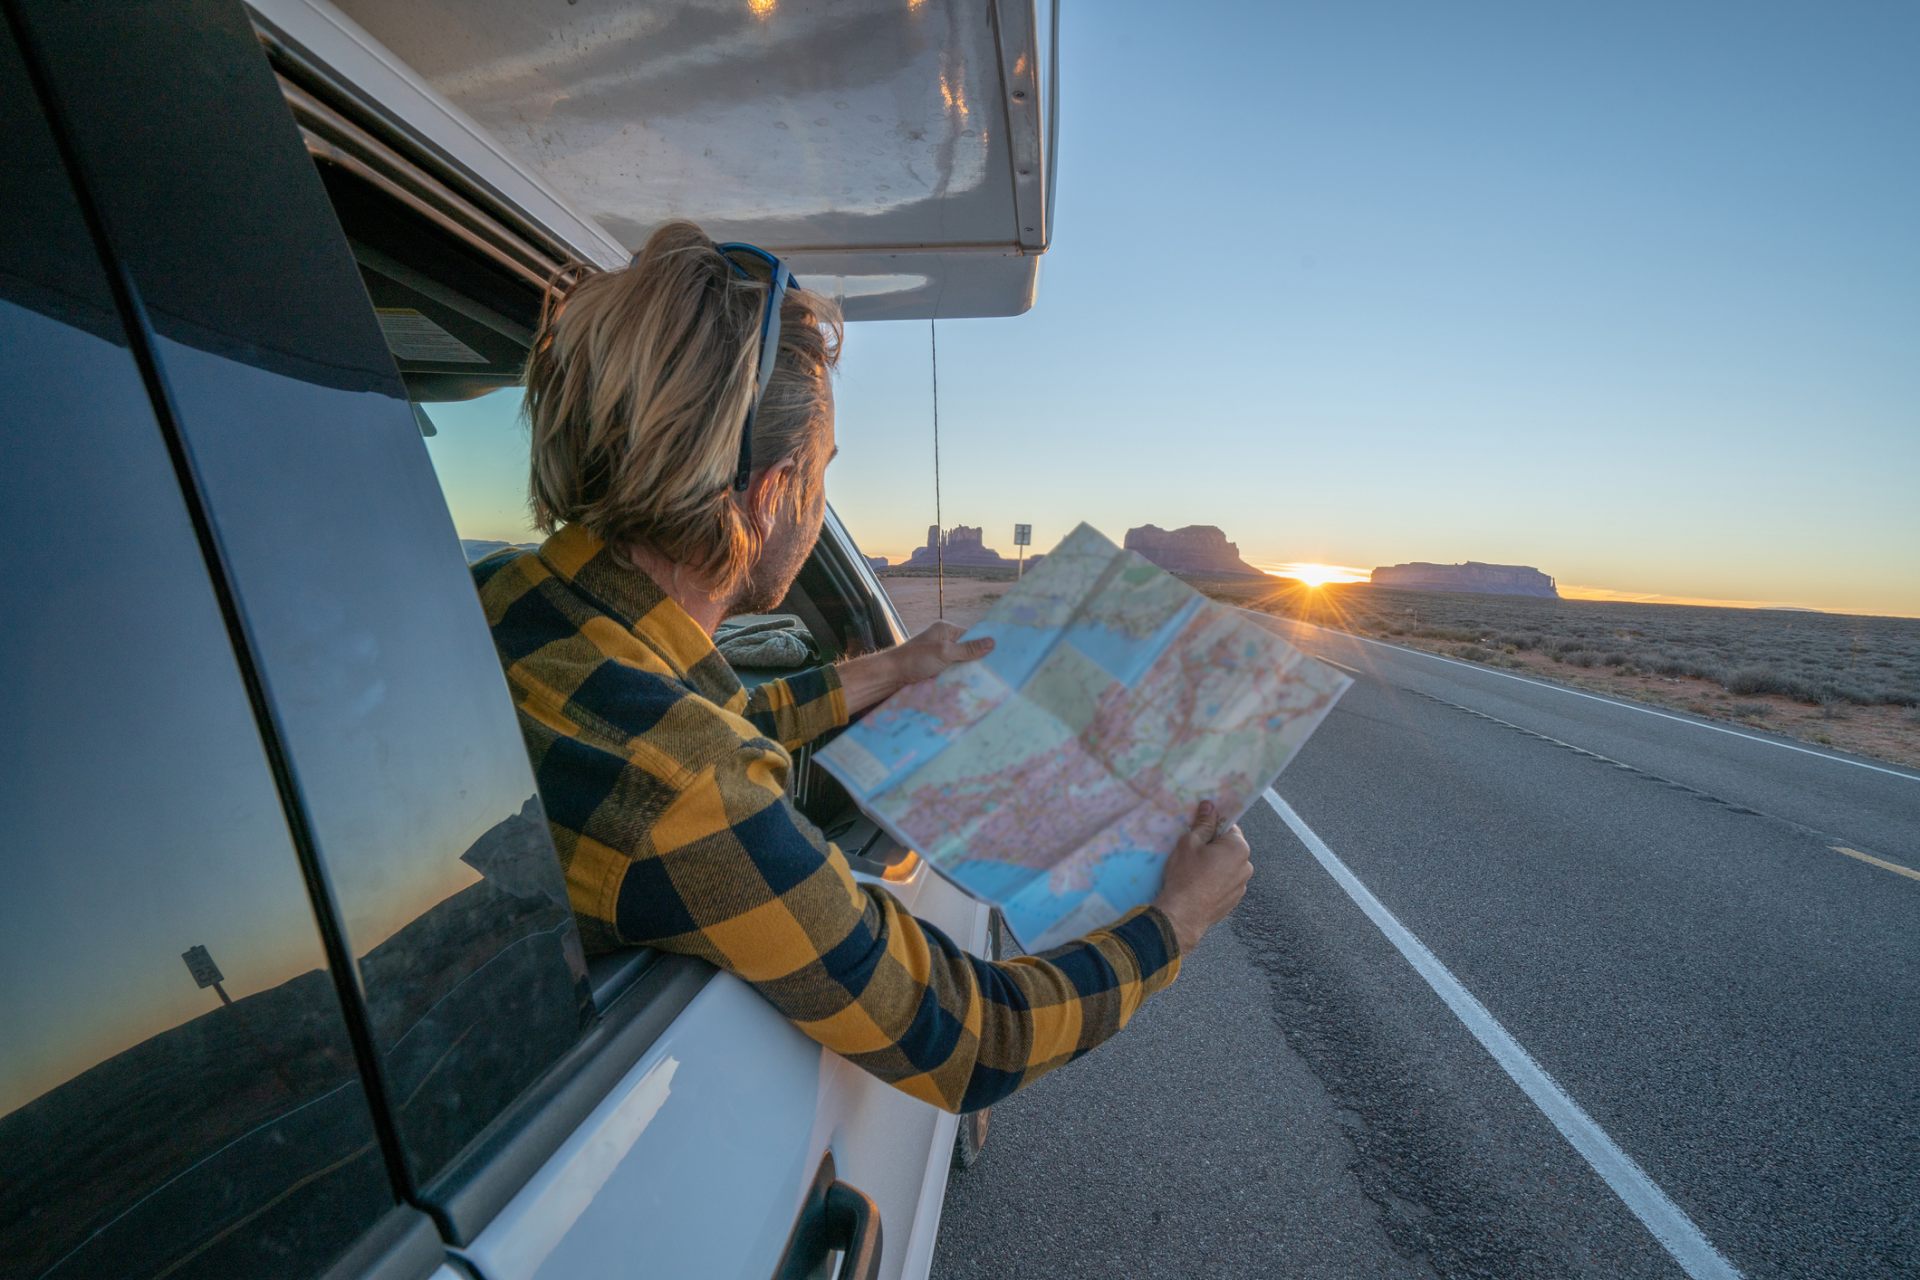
[
  {"x": 835, "y": 705},
  {"x": 1149, "y": 935}
]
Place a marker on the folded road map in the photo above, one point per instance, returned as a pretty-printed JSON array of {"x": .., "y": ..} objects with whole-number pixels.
[{"x": 1052, "y": 777}]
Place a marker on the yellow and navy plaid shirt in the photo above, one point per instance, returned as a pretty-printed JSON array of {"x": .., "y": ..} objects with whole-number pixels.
[{"x": 665, "y": 785}]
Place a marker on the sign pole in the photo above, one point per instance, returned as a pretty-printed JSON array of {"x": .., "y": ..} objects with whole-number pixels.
[
  {"x": 207, "y": 974},
  {"x": 1022, "y": 537}
]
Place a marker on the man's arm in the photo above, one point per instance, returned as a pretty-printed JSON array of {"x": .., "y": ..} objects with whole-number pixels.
[
  {"x": 737, "y": 877},
  {"x": 798, "y": 709}
]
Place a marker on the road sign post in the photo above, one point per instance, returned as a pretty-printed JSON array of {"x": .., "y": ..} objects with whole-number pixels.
[
  {"x": 1022, "y": 539},
  {"x": 205, "y": 972}
]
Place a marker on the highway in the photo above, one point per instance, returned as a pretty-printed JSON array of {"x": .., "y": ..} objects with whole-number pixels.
[{"x": 1639, "y": 995}]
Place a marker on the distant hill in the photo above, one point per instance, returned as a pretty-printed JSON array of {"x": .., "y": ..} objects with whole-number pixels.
[
  {"x": 481, "y": 548},
  {"x": 1196, "y": 549},
  {"x": 1482, "y": 579}
]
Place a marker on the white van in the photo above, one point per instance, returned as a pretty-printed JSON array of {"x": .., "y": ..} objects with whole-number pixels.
[{"x": 291, "y": 986}]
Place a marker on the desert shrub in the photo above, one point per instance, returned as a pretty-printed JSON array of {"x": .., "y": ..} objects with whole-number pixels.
[
  {"x": 1757, "y": 678},
  {"x": 1804, "y": 653},
  {"x": 1615, "y": 658},
  {"x": 1582, "y": 658},
  {"x": 1750, "y": 710},
  {"x": 1628, "y": 669},
  {"x": 1470, "y": 652}
]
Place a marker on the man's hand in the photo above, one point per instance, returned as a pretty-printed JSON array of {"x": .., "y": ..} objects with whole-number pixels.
[
  {"x": 934, "y": 650},
  {"x": 877, "y": 676},
  {"x": 1206, "y": 877}
]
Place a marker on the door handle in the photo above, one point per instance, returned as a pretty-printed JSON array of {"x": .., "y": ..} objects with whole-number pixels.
[
  {"x": 834, "y": 1218},
  {"x": 853, "y": 1219}
]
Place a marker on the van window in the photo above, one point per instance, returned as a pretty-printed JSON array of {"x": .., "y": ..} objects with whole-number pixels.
[{"x": 178, "y": 1094}]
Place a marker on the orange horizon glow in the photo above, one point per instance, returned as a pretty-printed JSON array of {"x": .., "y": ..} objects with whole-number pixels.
[
  {"x": 1569, "y": 591},
  {"x": 1315, "y": 574}
]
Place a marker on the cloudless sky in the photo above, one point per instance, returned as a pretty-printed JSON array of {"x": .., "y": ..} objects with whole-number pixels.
[{"x": 1629, "y": 292}]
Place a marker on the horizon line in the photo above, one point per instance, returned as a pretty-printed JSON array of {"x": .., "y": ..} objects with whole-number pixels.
[
  {"x": 1618, "y": 595},
  {"x": 1573, "y": 591}
]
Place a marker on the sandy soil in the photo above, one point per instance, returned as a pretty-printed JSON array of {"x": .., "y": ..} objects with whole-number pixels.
[{"x": 967, "y": 600}]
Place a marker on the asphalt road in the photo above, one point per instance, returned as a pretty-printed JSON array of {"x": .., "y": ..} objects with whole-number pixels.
[{"x": 1651, "y": 906}]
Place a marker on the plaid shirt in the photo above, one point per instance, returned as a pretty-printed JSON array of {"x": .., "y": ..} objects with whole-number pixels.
[{"x": 665, "y": 785}]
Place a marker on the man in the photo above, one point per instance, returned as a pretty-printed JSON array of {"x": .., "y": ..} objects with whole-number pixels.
[{"x": 682, "y": 422}]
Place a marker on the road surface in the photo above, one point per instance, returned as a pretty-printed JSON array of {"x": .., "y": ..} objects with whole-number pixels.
[{"x": 1704, "y": 941}]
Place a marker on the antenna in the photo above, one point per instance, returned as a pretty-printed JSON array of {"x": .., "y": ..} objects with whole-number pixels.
[{"x": 939, "y": 526}]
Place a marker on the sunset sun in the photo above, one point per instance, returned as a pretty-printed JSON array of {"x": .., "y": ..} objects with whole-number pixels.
[{"x": 1317, "y": 575}]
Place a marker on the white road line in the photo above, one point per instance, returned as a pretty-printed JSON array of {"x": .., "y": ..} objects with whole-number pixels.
[
  {"x": 1667, "y": 1221},
  {"x": 1590, "y": 697}
]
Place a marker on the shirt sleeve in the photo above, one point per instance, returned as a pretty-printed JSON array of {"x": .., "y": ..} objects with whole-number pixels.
[
  {"x": 798, "y": 709},
  {"x": 739, "y": 878}
]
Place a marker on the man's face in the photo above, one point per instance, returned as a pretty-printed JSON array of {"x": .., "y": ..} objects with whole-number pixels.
[{"x": 789, "y": 543}]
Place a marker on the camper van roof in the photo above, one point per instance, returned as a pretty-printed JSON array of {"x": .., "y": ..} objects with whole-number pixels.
[{"x": 893, "y": 150}]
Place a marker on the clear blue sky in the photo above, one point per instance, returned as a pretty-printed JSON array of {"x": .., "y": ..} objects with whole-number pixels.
[{"x": 1630, "y": 292}]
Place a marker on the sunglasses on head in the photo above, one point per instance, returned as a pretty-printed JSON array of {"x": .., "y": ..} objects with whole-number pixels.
[{"x": 751, "y": 262}]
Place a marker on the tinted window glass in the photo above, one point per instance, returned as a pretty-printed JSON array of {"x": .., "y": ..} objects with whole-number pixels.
[
  {"x": 159, "y": 1115},
  {"x": 384, "y": 693}
]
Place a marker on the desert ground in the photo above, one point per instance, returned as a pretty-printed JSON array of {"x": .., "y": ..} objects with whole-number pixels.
[
  {"x": 1830, "y": 679},
  {"x": 966, "y": 599}
]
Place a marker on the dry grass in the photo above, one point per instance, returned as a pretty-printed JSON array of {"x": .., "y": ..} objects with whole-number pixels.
[{"x": 1847, "y": 682}]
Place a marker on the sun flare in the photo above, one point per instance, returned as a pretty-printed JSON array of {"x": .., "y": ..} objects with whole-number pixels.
[{"x": 1318, "y": 575}]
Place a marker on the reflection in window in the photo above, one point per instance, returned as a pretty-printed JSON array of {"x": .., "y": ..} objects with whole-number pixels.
[{"x": 178, "y": 1095}]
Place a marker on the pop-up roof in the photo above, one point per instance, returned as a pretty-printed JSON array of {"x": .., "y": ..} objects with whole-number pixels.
[{"x": 891, "y": 149}]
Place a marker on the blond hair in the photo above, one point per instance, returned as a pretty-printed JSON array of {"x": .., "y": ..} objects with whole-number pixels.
[{"x": 637, "y": 386}]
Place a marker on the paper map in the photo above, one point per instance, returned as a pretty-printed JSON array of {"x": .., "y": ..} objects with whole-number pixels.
[{"x": 1052, "y": 777}]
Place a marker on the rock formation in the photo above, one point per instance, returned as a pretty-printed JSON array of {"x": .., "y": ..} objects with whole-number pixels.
[
  {"x": 1484, "y": 579},
  {"x": 965, "y": 548},
  {"x": 877, "y": 562},
  {"x": 1197, "y": 549}
]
